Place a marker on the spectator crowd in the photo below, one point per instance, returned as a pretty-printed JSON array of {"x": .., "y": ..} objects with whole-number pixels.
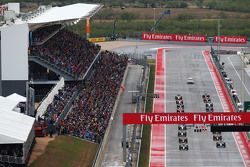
[
  {"x": 92, "y": 109},
  {"x": 11, "y": 150},
  {"x": 42, "y": 33},
  {"x": 93, "y": 106},
  {"x": 60, "y": 100},
  {"x": 67, "y": 51}
]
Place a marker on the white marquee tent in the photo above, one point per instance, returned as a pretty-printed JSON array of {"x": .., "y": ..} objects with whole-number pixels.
[
  {"x": 16, "y": 97},
  {"x": 7, "y": 104},
  {"x": 14, "y": 127}
]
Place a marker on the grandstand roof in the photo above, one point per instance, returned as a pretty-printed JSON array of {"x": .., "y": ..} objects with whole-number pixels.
[
  {"x": 66, "y": 13},
  {"x": 14, "y": 127}
]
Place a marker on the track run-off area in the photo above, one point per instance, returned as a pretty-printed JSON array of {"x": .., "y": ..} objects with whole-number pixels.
[{"x": 173, "y": 67}]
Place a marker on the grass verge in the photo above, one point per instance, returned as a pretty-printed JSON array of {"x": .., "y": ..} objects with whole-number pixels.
[
  {"x": 66, "y": 151},
  {"x": 146, "y": 134}
]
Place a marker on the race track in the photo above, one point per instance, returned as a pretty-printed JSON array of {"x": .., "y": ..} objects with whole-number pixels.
[{"x": 182, "y": 62}]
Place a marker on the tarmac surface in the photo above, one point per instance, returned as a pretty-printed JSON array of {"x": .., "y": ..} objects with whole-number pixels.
[{"x": 180, "y": 65}]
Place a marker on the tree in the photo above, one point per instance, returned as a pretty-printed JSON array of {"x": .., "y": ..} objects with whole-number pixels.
[
  {"x": 199, "y": 3},
  {"x": 127, "y": 16}
]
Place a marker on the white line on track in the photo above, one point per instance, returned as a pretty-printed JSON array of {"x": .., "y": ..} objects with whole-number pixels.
[{"x": 238, "y": 75}]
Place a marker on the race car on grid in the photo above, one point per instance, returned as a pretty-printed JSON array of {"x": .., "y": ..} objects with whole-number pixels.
[
  {"x": 182, "y": 127},
  {"x": 183, "y": 147},
  {"x": 209, "y": 107},
  {"x": 178, "y": 97},
  {"x": 217, "y": 137},
  {"x": 220, "y": 144},
  {"x": 182, "y": 133},
  {"x": 183, "y": 140}
]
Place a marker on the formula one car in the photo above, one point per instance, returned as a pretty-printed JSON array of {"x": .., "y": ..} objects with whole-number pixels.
[
  {"x": 182, "y": 133},
  {"x": 180, "y": 110},
  {"x": 218, "y": 133},
  {"x": 209, "y": 104},
  {"x": 220, "y": 144},
  {"x": 179, "y": 101},
  {"x": 206, "y": 98},
  {"x": 209, "y": 107},
  {"x": 183, "y": 140},
  {"x": 217, "y": 137},
  {"x": 178, "y": 97},
  {"x": 180, "y": 106},
  {"x": 182, "y": 127},
  {"x": 183, "y": 147}
]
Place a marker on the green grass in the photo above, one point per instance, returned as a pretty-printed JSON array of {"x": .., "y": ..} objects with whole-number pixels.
[
  {"x": 66, "y": 151},
  {"x": 134, "y": 28},
  {"x": 145, "y": 145}
]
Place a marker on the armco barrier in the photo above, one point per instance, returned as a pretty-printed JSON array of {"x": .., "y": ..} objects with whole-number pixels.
[
  {"x": 49, "y": 98},
  {"x": 100, "y": 154}
]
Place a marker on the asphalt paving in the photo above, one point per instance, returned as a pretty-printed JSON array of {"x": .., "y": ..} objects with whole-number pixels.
[
  {"x": 180, "y": 65},
  {"x": 183, "y": 62}
]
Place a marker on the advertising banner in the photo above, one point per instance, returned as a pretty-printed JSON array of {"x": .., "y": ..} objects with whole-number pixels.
[
  {"x": 174, "y": 37},
  {"x": 187, "y": 118},
  {"x": 100, "y": 39},
  {"x": 231, "y": 39}
]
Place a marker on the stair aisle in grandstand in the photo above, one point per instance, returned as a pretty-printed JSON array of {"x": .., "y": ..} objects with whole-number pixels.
[
  {"x": 180, "y": 65},
  {"x": 48, "y": 65}
]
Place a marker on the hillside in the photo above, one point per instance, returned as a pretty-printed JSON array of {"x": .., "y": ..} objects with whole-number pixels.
[{"x": 130, "y": 22}]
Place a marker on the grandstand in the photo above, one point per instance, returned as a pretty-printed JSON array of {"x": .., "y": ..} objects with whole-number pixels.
[{"x": 75, "y": 84}]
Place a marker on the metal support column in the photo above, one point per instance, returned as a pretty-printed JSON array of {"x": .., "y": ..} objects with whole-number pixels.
[{"x": 124, "y": 143}]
